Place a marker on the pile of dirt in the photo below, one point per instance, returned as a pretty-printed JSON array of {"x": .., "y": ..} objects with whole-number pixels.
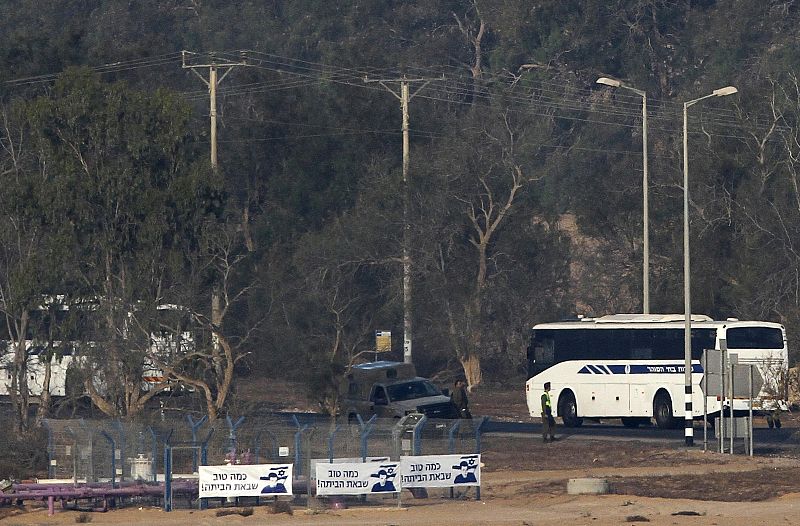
[
  {"x": 526, "y": 452},
  {"x": 746, "y": 486}
]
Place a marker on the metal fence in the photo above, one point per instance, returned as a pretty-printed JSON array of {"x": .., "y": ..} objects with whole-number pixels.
[{"x": 117, "y": 451}]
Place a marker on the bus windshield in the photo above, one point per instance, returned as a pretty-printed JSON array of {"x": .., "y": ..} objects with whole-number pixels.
[{"x": 754, "y": 338}]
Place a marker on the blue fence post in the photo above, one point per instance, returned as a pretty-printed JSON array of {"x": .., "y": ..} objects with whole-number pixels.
[
  {"x": 50, "y": 451},
  {"x": 478, "y": 430},
  {"x": 122, "y": 443},
  {"x": 298, "y": 445},
  {"x": 202, "y": 503},
  {"x": 331, "y": 438},
  {"x": 167, "y": 476},
  {"x": 232, "y": 427},
  {"x": 418, "y": 427},
  {"x": 195, "y": 426},
  {"x": 90, "y": 434},
  {"x": 257, "y": 446},
  {"x": 113, "y": 458},
  {"x": 154, "y": 458},
  {"x": 451, "y": 445},
  {"x": 451, "y": 437},
  {"x": 366, "y": 429},
  {"x": 75, "y": 455}
]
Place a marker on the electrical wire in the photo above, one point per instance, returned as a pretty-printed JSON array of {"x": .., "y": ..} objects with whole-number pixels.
[{"x": 539, "y": 98}]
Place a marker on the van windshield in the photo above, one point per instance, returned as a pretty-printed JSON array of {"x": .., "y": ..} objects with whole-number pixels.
[{"x": 411, "y": 390}]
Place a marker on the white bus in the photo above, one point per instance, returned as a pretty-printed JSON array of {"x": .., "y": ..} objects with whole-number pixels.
[
  {"x": 631, "y": 366},
  {"x": 172, "y": 338}
]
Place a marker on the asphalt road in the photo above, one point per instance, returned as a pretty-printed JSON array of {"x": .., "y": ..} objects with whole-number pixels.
[{"x": 764, "y": 439}]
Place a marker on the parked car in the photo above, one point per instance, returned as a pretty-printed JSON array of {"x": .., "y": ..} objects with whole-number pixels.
[{"x": 392, "y": 390}]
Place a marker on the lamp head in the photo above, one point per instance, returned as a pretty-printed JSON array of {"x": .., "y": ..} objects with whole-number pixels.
[
  {"x": 729, "y": 90},
  {"x": 609, "y": 82}
]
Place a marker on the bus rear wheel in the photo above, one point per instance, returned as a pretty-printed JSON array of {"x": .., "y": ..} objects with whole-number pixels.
[
  {"x": 568, "y": 409},
  {"x": 662, "y": 411}
]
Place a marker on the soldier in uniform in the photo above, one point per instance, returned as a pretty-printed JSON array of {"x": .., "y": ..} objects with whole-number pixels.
[
  {"x": 774, "y": 417},
  {"x": 459, "y": 398},
  {"x": 548, "y": 422}
]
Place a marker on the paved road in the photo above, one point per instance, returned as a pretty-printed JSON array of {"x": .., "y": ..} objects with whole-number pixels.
[{"x": 764, "y": 439}]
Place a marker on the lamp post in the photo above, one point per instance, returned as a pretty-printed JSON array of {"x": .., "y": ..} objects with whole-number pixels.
[
  {"x": 687, "y": 303},
  {"x": 645, "y": 208}
]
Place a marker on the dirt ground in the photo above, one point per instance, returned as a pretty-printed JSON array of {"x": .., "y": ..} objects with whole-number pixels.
[{"x": 525, "y": 483}]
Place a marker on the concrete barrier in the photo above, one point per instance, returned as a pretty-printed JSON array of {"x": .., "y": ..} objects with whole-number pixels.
[{"x": 587, "y": 486}]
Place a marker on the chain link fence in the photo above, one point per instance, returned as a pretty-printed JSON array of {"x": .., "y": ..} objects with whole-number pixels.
[{"x": 116, "y": 451}]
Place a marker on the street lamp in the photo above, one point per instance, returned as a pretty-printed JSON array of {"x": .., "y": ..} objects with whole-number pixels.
[
  {"x": 645, "y": 214},
  {"x": 687, "y": 303}
]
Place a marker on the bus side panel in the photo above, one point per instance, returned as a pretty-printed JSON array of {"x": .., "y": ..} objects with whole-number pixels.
[
  {"x": 641, "y": 396},
  {"x": 603, "y": 397}
]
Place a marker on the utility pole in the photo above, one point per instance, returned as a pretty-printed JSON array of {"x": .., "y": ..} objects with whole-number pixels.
[
  {"x": 213, "y": 81},
  {"x": 405, "y": 97}
]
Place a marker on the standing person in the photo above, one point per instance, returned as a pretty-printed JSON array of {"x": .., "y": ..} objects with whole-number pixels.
[
  {"x": 459, "y": 398},
  {"x": 548, "y": 422}
]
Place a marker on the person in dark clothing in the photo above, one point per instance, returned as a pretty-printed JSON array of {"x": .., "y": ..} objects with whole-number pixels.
[
  {"x": 548, "y": 422},
  {"x": 460, "y": 400}
]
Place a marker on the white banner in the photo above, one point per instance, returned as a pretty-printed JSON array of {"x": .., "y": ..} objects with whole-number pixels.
[
  {"x": 357, "y": 478},
  {"x": 245, "y": 480},
  {"x": 440, "y": 471},
  {"x": 345, "y": 460}
]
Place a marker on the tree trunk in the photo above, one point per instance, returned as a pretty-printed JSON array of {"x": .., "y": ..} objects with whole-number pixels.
[
  {"x": 472, "y": 370},
  {"x": 19, "y": 377},
  {"x": 224, "y": 386},
  {"x": 44, "y": 400},
  {"x": 97, "y": 399}
]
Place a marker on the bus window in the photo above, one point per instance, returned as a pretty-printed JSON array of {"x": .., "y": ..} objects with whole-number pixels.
[
  {"x": 599, "y": 344},
  {"x": 754, "y": 338},
  {"x": 641, "y": 344},
  {"x": 571, "y": 345},
  {"x": 541, "y": 353},
  {"x": 703, "y": 339}
]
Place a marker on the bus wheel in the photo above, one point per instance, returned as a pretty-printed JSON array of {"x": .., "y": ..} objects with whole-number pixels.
[
  {"x": 662, "y": 411},
  {"x": 631, "y": 422},
  {"x": 568, "y": 410}
]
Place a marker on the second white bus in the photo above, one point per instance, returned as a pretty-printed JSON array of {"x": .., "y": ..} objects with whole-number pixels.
[{"x": 631, "y": 366}]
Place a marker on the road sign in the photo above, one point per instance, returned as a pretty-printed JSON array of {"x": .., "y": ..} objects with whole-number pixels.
[
  {"x": 741, "y": 381},
  {"x": 383, "y": 341},
  {"x": 738, "y": 427},
  {"x": 711, "y": 383}
]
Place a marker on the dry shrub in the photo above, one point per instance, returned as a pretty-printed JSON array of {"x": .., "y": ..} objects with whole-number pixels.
[
  {"x": 244, "y": 512},
  {"x": 281, "y": 506}
]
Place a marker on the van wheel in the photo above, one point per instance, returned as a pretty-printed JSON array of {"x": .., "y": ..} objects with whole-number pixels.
[
  {"x": 568, "y": 409},
  {"x": 662, "y": 411}
]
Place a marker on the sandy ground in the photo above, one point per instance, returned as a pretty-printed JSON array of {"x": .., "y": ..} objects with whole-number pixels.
[{"x": 531, "y": 509}]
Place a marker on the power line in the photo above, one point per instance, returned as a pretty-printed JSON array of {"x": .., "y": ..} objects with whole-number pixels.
[
  {"x": 113, "y": 67},
  {"x": 537, "y": 97}
]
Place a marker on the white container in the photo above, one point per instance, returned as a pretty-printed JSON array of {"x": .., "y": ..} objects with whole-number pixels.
[{"x": 141, "y": 467}]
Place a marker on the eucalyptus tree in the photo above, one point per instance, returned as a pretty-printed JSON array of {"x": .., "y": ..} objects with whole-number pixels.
[
  {"x": 31, "y": 253},
  {"x": 483, "y": 225},
  {"x": 125, "y": 192}
]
